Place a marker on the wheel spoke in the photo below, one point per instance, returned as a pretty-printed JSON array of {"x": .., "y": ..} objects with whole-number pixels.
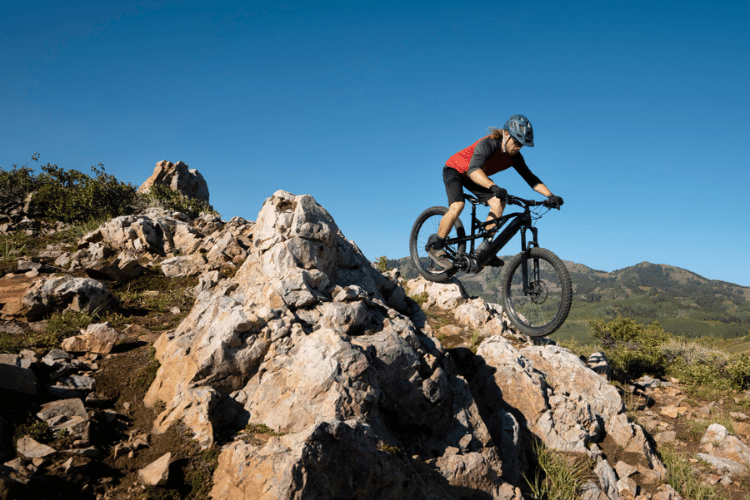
[
  {"x": 425, "y": 227},
  {"x": 537, "y": 292}
]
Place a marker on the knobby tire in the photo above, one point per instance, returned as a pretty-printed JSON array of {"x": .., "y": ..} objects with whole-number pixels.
[
  {"x": 425, "y": 226},
  {"x": 546, "y": 304}
]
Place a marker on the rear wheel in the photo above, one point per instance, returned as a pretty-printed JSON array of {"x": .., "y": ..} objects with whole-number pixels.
[
  {"x": 542, "y": 305},
  {"x": 425, "y": 226}
]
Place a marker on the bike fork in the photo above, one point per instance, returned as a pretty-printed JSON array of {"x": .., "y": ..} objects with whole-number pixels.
[{"x": 535, "y": 273}]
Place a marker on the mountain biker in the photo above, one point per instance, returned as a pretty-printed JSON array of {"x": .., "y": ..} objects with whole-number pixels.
[{"x": 471, "y": 167}]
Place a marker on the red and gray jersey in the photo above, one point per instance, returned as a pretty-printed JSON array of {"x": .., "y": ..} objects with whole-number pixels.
[{"x": 487, "y": 154}]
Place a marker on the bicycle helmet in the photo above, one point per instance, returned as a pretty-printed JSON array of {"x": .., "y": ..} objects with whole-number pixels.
[{"x": 519, "y": 127}]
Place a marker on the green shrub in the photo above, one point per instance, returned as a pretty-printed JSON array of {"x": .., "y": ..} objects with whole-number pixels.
[
  {"x": 633, "y": 349},
  {"x": 15, "y": 184},
  {"x": 168, "y": 199},
  {"x": 62, "y": 325},
  {"x": 382, "y": 264},
  {"x": 739, "y": 371},
  {"x": 556, "y": 476},
  {"x": 72, "y": 196},
  {"x": 682, "y": 477},
  {"x": 67, "y": 195}
]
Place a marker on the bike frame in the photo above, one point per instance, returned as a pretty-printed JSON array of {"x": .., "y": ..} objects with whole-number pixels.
[{"x": 521, "y": 222}]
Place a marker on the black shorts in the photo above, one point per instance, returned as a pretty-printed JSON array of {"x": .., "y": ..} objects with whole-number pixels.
[{"x": 455, "y": 184}]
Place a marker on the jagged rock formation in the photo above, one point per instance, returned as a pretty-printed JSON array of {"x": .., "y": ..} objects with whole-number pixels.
[
  {"x": 178, "y": 177},
  {"x": 310, "y": 340},
  {"x": 120, "y": 250}
]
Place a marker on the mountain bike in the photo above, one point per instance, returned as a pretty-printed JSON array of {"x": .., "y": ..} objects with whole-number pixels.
[{"x": 536, "y": 291}]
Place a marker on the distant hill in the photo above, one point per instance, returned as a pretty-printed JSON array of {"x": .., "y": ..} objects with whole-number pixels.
[{"x": 684, "y": 303}]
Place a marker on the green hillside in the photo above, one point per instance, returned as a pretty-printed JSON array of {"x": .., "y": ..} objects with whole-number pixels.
[{"x": 683, "y": 302}]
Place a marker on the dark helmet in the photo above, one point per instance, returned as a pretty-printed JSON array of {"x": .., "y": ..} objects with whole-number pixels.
[{"x": 519, "y": 127}]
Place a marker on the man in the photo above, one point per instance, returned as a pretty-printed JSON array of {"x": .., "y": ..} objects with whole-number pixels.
[{"x": 470, "y": 168}]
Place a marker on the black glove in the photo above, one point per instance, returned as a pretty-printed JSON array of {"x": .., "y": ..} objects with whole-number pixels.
[
  {"x": 555, "y": 201},
  {"x": 498, "y": 192}
]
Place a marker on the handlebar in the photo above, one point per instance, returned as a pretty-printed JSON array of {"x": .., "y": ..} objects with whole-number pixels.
[
  {"x": 511, "y": 200},
  {"x": 521, "y": 202}
]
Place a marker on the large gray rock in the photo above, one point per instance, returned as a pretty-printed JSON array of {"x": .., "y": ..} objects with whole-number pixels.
[
  {"x": 16, "y": 374},
  {"x": 178, "y": 177},
  {"x": 99, "y": 338},
  {"x": 311, "y": 340},
  {"x": 726, "y": 452},
  {"x": 182, "y": 247},
  {"x": 65, "y": 293},
  {"x": 558, "y": 399},
  {"x": 68, "y": 414},
  {"x": 306, "y": 333}
]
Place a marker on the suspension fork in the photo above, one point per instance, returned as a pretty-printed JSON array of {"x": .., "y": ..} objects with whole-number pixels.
[{"x": 525, "y": 249}]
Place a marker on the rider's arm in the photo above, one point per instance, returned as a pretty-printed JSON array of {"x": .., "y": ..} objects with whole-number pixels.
[
  {"x": 520, "y": 165},
  {"x": 542, "y": 189},
  {"x": 482, "y": 152},
  {"x": 481, "y": 178}
]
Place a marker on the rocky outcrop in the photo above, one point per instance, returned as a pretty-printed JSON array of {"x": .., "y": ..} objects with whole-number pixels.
[
  {"x": 98, "y": 338},
  {"x": 307, "y": 339},
  {"x": 65, "y": 293},
  {"x": 178, "y": 177},
  {"x": 179, "y": 245},
  {"x": 312, "y": 341},
  {"x": 318, "y": 376}
]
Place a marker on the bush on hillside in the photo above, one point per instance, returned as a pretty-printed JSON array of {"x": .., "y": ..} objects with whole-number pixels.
[
  {"x": 66, "y": 195},
  {"x": 633, "y": 349},
  {"x": 739, "y": 371},
  {"x": 74, "y": 197},
  {"x": 168, "y": 199},
  {"x": 16, "y": 184}
]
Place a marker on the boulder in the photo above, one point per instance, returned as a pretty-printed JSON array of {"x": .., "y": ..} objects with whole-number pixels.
[
  {"x": 303, "y": 340},
  {"x": 725, "y": 449},
  {"x": 12, "y": 290},
  {"x": 157, "y": 472},
  {"x": 30, "y": 448},
  {"x": 441, "y": 295},
  {"x": 309, "y": 339},
  {"x": 68, "y": 414},
  {"x": 65, "y": 293},
  {"x": 177, "y": 177},
  {"x": 149, "y": 234},
  {"x": 99, "y": 338},
  {"x": 16, "y": 374},
  {"x": 169, "y": 239}
]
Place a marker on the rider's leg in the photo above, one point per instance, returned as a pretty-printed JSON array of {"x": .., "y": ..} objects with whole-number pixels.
[
  {"x": 450, "y": 218},
  {"x": 437, "y": 250},
  {"x": 497, "y": 206},
  {"x": 455, "y": 191}
]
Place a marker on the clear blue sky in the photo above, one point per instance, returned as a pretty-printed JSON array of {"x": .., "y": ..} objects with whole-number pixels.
[{"x": 640, "y": 110}]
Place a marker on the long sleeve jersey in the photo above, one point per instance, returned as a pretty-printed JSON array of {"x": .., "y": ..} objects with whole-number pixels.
[{"x": 487, "y": 154}]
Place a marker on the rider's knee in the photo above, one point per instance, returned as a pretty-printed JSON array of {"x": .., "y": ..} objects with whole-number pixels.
[
  {"x": 496, "y": 205},
  {"x": 456, "y": 207}
]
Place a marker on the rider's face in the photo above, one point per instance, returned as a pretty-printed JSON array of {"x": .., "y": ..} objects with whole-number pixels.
[{"x": 512, "y": 146}]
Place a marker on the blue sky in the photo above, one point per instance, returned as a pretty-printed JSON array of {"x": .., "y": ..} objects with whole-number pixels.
[{"x": 640, "y": 110}]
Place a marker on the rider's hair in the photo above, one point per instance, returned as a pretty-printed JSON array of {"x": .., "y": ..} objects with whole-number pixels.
[{"x": 496, "y": 133}]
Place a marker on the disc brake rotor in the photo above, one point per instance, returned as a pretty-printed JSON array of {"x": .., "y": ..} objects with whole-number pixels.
[{"x": 538, "y": 292}]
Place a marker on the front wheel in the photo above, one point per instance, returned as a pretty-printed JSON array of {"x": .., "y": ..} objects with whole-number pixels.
[
  {"x": 425, "y": 226},
  {"x": 537, "y": 292}
]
